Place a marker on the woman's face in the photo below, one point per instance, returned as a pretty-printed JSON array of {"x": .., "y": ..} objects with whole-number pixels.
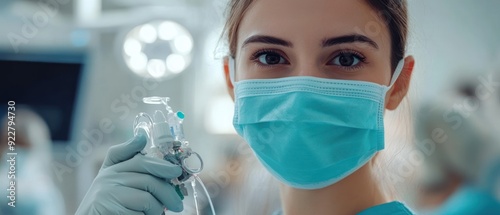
[{"x": 337, "y": 39}]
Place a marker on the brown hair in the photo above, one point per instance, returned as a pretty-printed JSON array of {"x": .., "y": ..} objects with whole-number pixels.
[{"x": 393, "y": 12}]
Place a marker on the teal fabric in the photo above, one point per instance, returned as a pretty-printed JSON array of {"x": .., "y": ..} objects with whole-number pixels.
[
  {"x": 391, "y": 208},
  {"x": 469, "y": 200}
]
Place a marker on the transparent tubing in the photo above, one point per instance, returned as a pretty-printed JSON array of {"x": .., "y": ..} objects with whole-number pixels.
[
  {"x": 206, "y": 193},
  {"x": 195, "y": 196},
  {"x": 193, "y": 171}
]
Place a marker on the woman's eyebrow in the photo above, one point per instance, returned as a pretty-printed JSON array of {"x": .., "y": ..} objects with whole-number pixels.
[
  {"x": 353, "y": 38},
  {"x": 267, "y": 40}
]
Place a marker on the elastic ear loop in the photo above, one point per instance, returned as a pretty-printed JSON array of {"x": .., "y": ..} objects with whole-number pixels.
[
  {"x": 397, "y": 72},
  {"x": 231, "y": 70}
]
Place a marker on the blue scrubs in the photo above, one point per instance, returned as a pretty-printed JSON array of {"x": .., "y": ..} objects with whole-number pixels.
[
  {"x": 391, "y": 208},
  {"x": 469, "y": 200}
]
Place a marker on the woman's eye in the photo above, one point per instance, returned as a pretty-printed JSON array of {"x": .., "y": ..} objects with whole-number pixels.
[
  {"x": 271, "y": 59},
  {"x": 347, "y": 60}
]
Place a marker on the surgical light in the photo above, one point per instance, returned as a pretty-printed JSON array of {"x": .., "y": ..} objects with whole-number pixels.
[{"x": 160, "y": 48}]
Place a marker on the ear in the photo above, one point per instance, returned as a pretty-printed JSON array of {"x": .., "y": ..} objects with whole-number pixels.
[
  {"x": 229, "y": 85},
  {"x": 400, "y": 88}
]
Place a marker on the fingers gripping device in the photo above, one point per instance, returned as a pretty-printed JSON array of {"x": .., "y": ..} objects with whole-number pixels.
[{"x": 166, "y": 140}]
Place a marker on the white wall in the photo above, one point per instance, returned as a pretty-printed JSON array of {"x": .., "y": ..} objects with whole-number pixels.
[{"x": 450, "y": 37}]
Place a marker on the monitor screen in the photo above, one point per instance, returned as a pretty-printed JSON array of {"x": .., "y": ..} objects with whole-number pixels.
[{"x": 49, "y": 87}]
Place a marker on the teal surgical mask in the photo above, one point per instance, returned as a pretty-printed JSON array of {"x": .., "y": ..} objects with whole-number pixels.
[{"x": 311, "y": 132}]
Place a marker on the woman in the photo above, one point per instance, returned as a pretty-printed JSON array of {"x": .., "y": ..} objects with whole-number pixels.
[
  {"x": 461, "y": 172},
  {"x": 311, "y": 80}
]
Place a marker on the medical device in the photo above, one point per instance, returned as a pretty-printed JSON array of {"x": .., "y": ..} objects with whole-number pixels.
[{"x": 166, "y": 141}]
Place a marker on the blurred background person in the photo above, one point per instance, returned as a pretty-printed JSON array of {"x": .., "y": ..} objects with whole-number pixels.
[
  {"x": 463, "y": 147},
  {"x": 36, "y": 192}
]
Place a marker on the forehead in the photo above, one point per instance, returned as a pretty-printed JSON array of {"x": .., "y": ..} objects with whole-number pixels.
[{"x": 296, "y": 20}]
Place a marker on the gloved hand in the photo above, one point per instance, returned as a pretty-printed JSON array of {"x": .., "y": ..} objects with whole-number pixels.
[{"x": 131, "y": 183}]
